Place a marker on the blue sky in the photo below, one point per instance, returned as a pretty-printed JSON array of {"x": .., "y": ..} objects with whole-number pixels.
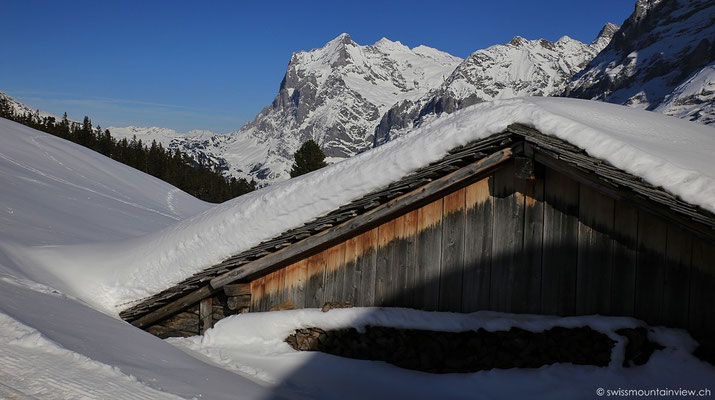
[{"x": 214, "y": 65}]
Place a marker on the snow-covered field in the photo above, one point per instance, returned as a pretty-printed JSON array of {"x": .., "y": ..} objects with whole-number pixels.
[
  {"x": 253, "y": 344},
  {"x": 81, "y": 235}
]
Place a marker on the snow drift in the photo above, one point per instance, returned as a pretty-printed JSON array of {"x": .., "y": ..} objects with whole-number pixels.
[{"x": 253, "y": 344}]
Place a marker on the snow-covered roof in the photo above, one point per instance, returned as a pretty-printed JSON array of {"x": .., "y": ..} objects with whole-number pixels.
[{"x": 664, "y": 151}]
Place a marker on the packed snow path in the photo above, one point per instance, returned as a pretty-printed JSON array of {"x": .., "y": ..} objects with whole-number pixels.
[
  {"x": 53, "y": 346},
  {"x": 28, "y": 370}
]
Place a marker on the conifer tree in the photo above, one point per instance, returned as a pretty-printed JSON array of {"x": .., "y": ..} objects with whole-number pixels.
[{"x": 308, "y": 158}]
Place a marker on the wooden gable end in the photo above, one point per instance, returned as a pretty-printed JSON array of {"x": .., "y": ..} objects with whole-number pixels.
[{"x": 547, "y": 245}]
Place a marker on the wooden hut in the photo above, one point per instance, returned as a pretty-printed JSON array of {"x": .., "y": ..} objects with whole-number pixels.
[{"x": 516, "y": 222}]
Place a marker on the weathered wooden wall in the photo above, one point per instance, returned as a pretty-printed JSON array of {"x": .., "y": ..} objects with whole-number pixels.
[
  {"x": 544, "y": 245},
  {"x": 188, "y": 322}
]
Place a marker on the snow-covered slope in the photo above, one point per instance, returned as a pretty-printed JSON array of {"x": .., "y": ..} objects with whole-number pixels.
[
  {"x": 519, "y": 68},
  {"x": 53, "y": 346},
  {"x": 694, "y": 99},
  {"x": 662, "y": 59},
  {"x": 666, "y": 151},
  {"x": 104, "y": 200}
]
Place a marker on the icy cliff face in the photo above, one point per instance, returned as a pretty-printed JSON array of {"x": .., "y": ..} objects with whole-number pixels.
[{"x": 662, "y": 59}]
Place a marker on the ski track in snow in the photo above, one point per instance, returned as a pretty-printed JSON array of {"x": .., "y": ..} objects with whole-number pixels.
[
  {"x": 62, "y": 181},
  {"x": 28, "y": 370},
  {"x": 37, "y": 144},
  {"x": 170, "y": 200}
]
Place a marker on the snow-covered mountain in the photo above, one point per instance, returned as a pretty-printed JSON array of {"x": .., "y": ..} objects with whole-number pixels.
[
  {"x": 336, "y": 95},
  {"x": 519, "y": 68},
  {"x": 349, "y": 97},
  {"x": 662, "y": 59}
]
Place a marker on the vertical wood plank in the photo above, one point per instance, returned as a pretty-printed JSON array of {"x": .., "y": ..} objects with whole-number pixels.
[
  {"x": 624, "y": 260},
  {"x": 315, "y": 288},
  {"x": 701, "y": 314},
  {"x": 334, "y": 272},
  {"x": 593, "y": 276},
  {"x": 295, "y": 281},
  {"x": 429, "y": 250},
  {"x": 271, "y": 290},
  {"x": 507, "y": 275},
  {"x": 258, "y": 294},
  {"x": 205, "y": 315},
  {"x": 350, "y": 272},
  {"x": 452, "y": 263},
  {"x": 385, "y": 262},
  {"x": 404, "y": 278},
  {"x": 650, "y": 272},
  {"x": 529, "y": 300},
  {"x": 393, "y": 291},
  {"x": 282, "y": 294},
  {"x": 365, "y": 268},
  {"x": 676, "y": 282},
  {"x": 477, "y": 245},
  {"x": 560, "y": 253}
]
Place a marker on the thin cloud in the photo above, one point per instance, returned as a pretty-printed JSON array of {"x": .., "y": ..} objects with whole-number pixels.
[{"x": 127, "y": 107}]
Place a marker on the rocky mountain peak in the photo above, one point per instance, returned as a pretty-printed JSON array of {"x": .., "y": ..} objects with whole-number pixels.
[
  {"x": 518, "y": 41},
  {"x": 342, "y": 39},
  {"x": 605, "y": 36},
  {"x": 642, "y": 8}
]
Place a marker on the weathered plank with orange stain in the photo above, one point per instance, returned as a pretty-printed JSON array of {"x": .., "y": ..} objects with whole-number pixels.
[
  {"x": 295, "y": 282},
  {"x": 315, "y": 285},
  {"x": 365, "y": 255},
  {"x": 429, "y": 254},
  {"x": 477, "y": 245},
  {"x": 334, "y": 272},
  {"x": 385, "y": 262},
  {"x": 403, "y": 289},
  {"x": 272, "y": 287},
  {"x": 452, "y": 259},
  {"x": 257, "y": 294}
]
